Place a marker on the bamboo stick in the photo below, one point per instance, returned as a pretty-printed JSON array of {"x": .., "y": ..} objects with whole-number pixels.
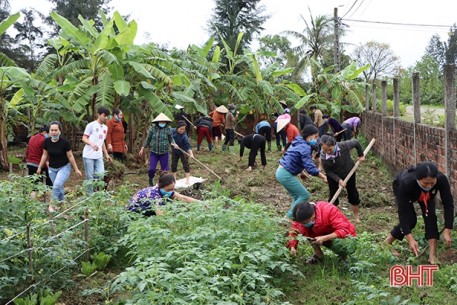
[{"x": 354, "y": 168}]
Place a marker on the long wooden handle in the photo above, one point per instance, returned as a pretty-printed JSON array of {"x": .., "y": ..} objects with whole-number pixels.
[
  {"x": 341, "y": 131},
  {"x": 236, "y": 132},
  {"x": 354, "y": 168},
  {"x": 188, "y": 121},
  {"x": 201, "y": 163}
]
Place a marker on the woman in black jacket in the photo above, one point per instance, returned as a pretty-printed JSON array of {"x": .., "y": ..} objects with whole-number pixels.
[{"x": 421, "y": 183}]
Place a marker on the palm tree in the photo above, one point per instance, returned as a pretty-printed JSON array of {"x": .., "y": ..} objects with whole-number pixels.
[{"x": 315, "y": 40}]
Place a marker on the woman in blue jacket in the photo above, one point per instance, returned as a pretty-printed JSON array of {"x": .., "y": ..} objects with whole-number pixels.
[
  {"x": 182, "y": 140},
  {"x": 296, "y": 160}
]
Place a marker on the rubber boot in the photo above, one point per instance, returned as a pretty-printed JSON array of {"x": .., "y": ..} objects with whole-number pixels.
[
  {"x": 279, "y": 147},
  {"x": 210, "y": 146},
  {"x": 198, "y": 147},
  {"x": 269, "y": 146},
  {"x": 231, "y": 149},
  {"x": 224, "y": 147},
  {"x": 151, "y": 181}
]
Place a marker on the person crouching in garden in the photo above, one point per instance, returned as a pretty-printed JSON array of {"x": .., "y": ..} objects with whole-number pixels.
[
  {"x": 296, "y": 159},
  {"x": 264, "y": 128},
  {"x": 148, "y": 200},
  {"x": 159, "y": 139},
  {"x": 421, "y": 183},
  {"x": 254, "y": 142},
  {"x": 324, "y": 225},
  {"x": 204, "y": 129},
  {"x": 337, "y": 163},
  {"x": 182, "y": 140}
]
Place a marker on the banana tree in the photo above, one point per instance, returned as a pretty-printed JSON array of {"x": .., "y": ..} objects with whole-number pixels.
[
  {"x": 95, "y": 72},
  {"x": 10, "y": 76}
]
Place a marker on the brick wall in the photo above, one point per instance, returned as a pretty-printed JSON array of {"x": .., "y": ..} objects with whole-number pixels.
[{"x": 400, "y": 145}]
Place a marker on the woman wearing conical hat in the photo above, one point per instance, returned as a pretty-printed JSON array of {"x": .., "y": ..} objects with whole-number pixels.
[{"x": 159, "y": 139}]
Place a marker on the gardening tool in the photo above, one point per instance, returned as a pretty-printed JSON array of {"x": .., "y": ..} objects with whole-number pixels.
[
  {"x": 239, "y": 134},
  {"x": 220, "y": 179},
  {"x": 354, "y": 168},
  {"x": 189, "y": 121},
  {"x": 337, "y": 133}
]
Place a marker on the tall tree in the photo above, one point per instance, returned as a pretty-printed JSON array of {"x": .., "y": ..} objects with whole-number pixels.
[
  {"x": 436, "y": 49},
  {"x": 275, "y": 49},
  {"x": 314, "y": 41},
  {"x": 231, "y": 17},
  {"x": 71, "y": 9},
  {"x": 379, "y": 56},
  {"x": 32, "y": 35}
]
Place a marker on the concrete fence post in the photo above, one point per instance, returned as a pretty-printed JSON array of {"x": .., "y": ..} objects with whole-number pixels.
[
  {"x": 374, "y": 101},
  {"x": 384, "y": 97},
  {"x": 416, "y": 98},
  {"x": 417, "y": 111},
  {"x": 396, "y": 98},
  {"x": 449, "y": 102},
  {"x": 367, "y": 98},
  {"x": 384, "y": 112}
]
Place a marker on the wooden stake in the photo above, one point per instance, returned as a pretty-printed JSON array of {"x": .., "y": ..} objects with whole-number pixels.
[
  {"x": 236, "y": 132},
  {"x": 29, "y": 245},
  {"x": 354, "y": 168},
  {"x": 86, "y": 234}
]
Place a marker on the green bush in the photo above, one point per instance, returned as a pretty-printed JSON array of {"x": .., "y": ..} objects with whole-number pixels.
[{"x": 224, "y": 252}]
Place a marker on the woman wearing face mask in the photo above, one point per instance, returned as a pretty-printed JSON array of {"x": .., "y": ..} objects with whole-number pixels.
[
  {"x": 148, "y": 200},
  {"x": 337, "y": 162},
  {"x": 296, "y": 160},
  {"x": 324, "y": 225},
  {"x": 115, "y": 136},
  {"x": 58, "y": 152},
  {"x": 421, "y": 183},
  {"x": 159, "y": 139}
]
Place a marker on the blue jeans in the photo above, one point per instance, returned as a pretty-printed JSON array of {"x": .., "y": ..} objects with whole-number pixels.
[
  {"x": 58, "y": 177},
  {"x": 293, "y": 186},
  {"x": 94, "y": 169}
]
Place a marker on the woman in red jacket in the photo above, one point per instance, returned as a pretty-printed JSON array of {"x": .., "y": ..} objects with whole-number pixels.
[
  {"x": 323, "y": 224},
  {"x": 115, "y": 136}
]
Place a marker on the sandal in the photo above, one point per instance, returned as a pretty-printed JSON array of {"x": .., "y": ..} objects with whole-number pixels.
[{"x": 314, "y": 260}]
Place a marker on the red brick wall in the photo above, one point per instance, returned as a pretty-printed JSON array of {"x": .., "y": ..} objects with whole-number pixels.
[{"x": 400, "y": 146}]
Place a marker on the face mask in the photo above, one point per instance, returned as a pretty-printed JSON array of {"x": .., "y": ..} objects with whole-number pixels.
[
  {"x": 309, "y": 224},
  {"x": 162, "y": 125},
  {"x": 165, "y": 193},
  {"x": 233, "y": 111},
  {"x": 46, "y": 135},
  {"x": 117, "y": 118},
  {"x": 55, "y": 138},
  {"x": 312, "y": 142},
  {"x": 425, "y": 189}
]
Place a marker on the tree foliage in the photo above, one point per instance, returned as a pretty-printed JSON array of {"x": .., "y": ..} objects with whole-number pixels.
[
  {"x": 71, "y": 9},
  {"x": 231, "y": 17},
  {"x": 379, "y": 56}
]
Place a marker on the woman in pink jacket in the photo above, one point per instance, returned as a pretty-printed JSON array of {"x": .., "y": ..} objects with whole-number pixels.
[{"x": 324, "y": 225}]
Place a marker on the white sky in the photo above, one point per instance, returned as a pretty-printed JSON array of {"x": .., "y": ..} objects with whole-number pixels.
[{"x": 179, "y": 23}]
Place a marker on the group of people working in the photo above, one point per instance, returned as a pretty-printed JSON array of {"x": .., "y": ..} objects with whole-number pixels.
[{"x": 321, "y": 221}]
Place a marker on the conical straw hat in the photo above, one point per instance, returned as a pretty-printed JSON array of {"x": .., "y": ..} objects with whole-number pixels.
[
  {"x": 222, "y": 109},
  {"x": 179, "y": 107},
  {"x": 281, "y": 123},
  {"x": 161, "y": 118}
]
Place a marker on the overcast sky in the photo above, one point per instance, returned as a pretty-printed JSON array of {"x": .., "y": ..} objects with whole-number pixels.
[{"x": 179, "y": 23}]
